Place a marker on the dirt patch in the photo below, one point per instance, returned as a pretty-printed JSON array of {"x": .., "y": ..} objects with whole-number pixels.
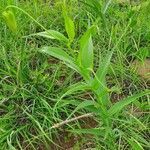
[
  {"x": 142, "y": 68},
  {"x": 67, "y": 140}
]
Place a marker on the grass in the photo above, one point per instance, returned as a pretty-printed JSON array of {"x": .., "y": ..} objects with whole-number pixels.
[{"x": 42, "y": 96}]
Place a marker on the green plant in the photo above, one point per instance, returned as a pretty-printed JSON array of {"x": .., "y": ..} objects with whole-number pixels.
[
  {"x": 96, "y": 82},
  {"x": 82, "y": 61}
]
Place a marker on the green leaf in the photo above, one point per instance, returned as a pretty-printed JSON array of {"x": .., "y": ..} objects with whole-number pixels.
[
  {"x": 69, "y": 24},
  {"x": 94, "y": 4},
  {"x": 107, "y": 4},
  {"x": 10, "y": 20},
  {"x": 102, "y": 71},
  {"x": 83, "y": 105},
  {"x": 99, "y": 81},
  {"x": 85, "y": 57},
  {"x": 117, "y": 107},
  {"x": 76, "y": 87},
  {"x": 61, "y": 55},
  {"x": 51, "y": 34},
  {"x": 9, "y": 141},
  {"x": 93, "y": 131},
  {"x": 135, "y": 144},
  {"x": 143, "y": 53},
  {"x": 64, "y": 102}
]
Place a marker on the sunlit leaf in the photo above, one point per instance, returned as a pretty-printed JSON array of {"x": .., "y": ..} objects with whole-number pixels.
[
  {"x": 61, "y": 55},
  {"x": 69, "y": 24},
  {"x": 10, "y": 20},
  {"x": 51, "y": 34},
  {"x": 85, "y": 57}
]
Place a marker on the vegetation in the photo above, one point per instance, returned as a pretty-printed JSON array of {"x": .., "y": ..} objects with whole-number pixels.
[{"x": 68, "y": 78}]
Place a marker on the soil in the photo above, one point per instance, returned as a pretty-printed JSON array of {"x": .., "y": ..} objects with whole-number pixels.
[
  {"x": 142, "y": 68},
  {"x": 67, "y": 140}
]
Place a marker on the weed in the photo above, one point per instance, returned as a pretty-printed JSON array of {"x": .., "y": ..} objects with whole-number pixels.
[{"x": 39, "y": 107}]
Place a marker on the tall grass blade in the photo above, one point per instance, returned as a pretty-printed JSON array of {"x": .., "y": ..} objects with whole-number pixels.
[
  {"x": 99, "y": 81},
  {"x": 75, "y": 87},
  {"x": 106, "y": 6},
  {"x": 92, "y": 131},
  {"x": 102, "y": 71},
  {"x": 117, "y": 107},
  {"x": 94, "y": 4},
  {"x": 83, "y": 105},
  {"x": 135, "y": 144}
]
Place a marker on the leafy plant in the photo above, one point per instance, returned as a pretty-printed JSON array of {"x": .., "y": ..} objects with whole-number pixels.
[
  {"x": 83, "y": 63},
  {"x": 96, "y": 82}
]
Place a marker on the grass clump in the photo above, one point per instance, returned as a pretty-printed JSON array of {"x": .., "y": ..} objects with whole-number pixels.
[{"x": 66, "y": 80}]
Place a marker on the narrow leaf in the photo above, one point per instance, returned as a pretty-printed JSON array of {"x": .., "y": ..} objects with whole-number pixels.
[
  {"x": 61, "y": 55},
  {"x": 10, "y": 20},
  {"x": 83, "y": 105},
  {"x": 94, "y": 4},
  {"x": 85, "y": 57},
  {"x": 93, "y": 131},
  {"x": 135, "y": 144},
  {"x": 102, "y": 71},
  {"x": 99, "y": 82},
  {"x": 76, "y": 87},
  {"x": 51, "y": 34},
  {"x": 69, "y": 24},
  {"x": 121, "y": 104},
  {"x": 108, "y": 2}
]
